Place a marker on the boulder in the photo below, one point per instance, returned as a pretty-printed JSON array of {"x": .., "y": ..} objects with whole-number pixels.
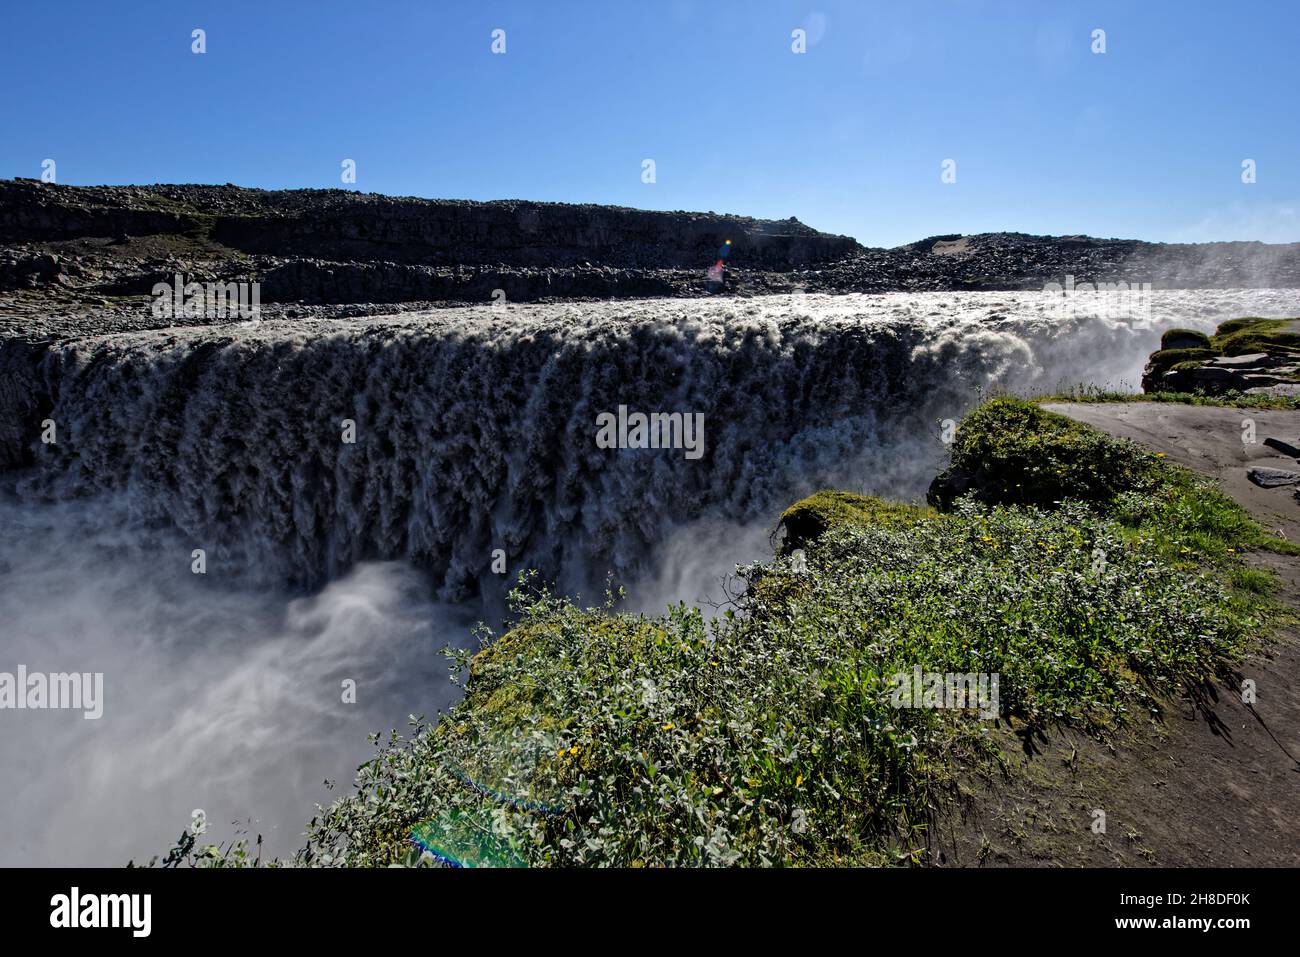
[
  {"x": 1266, "y": 477},
  {"x": 1286, "y": 448},
  {"x": 1184, "y": 339}
]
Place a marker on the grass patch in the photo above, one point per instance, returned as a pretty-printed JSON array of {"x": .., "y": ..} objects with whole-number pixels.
[
  {"x": 1232, "y": 400},
  {"x": 1016, "y": 452}
]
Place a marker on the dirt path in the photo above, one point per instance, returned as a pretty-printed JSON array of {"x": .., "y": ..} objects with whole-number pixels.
[
  {"x": 1216, "y": 782},
  {"x": 1208, "y": 440}
]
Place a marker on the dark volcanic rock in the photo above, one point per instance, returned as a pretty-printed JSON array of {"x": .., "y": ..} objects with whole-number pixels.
[
  {"x": 1273, "y": 478},
  {"x": 342, "y": 226},
  {"x": 1286, "y": 448},
  {"x": 951, "y": 484}
]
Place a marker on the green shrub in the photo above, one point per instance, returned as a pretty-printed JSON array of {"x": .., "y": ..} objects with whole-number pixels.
[
  {"x": 769, "y": 736},
  {"x": 1013, "y": 452}
]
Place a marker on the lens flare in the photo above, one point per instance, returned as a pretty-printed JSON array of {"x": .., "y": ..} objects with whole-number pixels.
[
  {"x": 714, "y": 272},
  {"x": 465, "y": 839},
  {"x": 501, "y": 797},
  {"x": 462, "y": 838}
]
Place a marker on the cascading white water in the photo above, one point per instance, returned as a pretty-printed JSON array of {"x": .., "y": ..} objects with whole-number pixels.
[{"x": 475, "y": 430}]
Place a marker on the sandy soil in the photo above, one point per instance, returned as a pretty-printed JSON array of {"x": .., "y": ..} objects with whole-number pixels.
[{"x": 1212, "y": 781}]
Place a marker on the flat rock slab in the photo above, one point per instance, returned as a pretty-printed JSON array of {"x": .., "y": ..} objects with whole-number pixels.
[
  {"x": 1257, "y": 379},
  {"x": 1216, "y": 375},
  {"x": 1273, "y": 478},
  {"x": 1252, "y": 359},
  {"x": 1285, "y": 388}
]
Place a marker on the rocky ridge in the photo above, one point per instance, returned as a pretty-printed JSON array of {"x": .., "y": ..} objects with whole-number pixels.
[{"x": 80, "y": 260}]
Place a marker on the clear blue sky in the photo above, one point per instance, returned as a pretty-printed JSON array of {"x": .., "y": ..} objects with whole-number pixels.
[{"x": 1144, "y": 141}]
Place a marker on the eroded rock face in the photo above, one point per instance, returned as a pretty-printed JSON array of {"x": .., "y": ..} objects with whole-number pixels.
[{"x": 318, "y": 282}]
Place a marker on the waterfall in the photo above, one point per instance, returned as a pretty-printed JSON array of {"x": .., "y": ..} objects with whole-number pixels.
[{"x": 474, "y": 429}]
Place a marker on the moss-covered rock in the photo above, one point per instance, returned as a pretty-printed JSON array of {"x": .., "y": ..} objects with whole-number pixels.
[
  {"x": 1184, "y": 339},
  {"x": 1190, "y": 362},
  {"x": 1239, "y": 337},
  {"x": 811, "y": 517},
  {"x": 1171, "y": 357},
  {"x": 556, "y": 639}
]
